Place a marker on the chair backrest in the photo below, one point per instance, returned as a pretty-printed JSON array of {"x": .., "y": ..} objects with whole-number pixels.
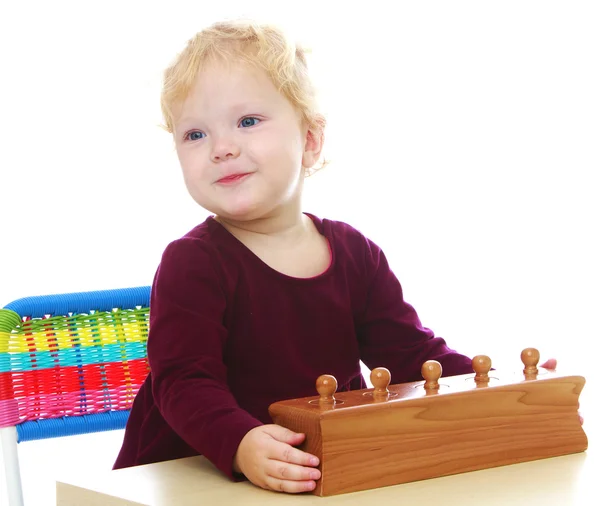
[{"x": 72, "y": 355}]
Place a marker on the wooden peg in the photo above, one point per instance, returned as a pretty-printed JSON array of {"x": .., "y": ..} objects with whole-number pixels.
[
  {"x": 380, "y": 378},
  {"x": 326, "y": 386},
  {"x": 530, "y": 358},
  {"x": 431, "y": 372},
  {"x": 482, "y": 365}
]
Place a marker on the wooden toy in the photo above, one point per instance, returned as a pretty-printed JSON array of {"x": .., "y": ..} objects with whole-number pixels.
[{"x": 393, "y": 434}]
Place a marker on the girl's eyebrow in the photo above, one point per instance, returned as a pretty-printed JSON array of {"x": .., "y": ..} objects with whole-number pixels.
[
  {"x": 245, "y": 107},
  {"x": 186, "y": 119},
  {"x": 184, "y": 124},
  {"x": 237, "y": 109}
]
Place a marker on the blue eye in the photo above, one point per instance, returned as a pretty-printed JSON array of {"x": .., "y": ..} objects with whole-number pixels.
[
  {"x": 195, "y": 136},
  {"x": 248, "y": 122}
]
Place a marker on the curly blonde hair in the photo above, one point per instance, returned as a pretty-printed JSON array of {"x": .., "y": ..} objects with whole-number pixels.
[{"x": 260, "y": 45}]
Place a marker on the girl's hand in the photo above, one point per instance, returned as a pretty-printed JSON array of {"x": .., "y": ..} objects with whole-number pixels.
[
  {"x": 551, "y": 364},
  {"x": 267, "y": 457}
]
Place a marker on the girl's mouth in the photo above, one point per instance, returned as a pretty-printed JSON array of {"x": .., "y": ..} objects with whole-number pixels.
[{"x": 234, "y": 178}]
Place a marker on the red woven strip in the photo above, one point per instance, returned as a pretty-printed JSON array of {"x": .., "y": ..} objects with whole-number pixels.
[{"x": 73, "y": 379}]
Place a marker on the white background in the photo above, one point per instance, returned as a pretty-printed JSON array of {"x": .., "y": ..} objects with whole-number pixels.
[{"x": 463, "y": 138}]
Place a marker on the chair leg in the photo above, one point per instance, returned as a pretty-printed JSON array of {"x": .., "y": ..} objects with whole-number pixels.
[{"x": 12, "y": 473}]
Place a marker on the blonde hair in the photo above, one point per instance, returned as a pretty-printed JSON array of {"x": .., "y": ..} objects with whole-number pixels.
[{"x": 259, "y": 45}]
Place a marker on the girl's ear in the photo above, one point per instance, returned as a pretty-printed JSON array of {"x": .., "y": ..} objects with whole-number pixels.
[{"x": 313, "y": 143}]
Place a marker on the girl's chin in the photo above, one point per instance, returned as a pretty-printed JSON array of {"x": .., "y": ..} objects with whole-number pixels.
[
  {"x": 239, "y": 213},
  {"x": 231, "y": 210}
]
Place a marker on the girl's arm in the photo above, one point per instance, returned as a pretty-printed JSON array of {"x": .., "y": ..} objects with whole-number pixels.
[
  {"x": 390, "y": 333},
  {"x": 189, "y": 378},
  {"x": 186, "y": 342}
]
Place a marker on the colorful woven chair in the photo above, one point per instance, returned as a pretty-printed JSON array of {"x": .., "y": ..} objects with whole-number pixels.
[{"x": 69, "y": 364}]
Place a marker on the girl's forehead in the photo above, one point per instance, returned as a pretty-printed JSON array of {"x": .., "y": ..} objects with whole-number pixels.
[
  {"x": 223, "y": 72},
  {"x": 223, "y": 89},
  {"x": 233, "y": 84}
]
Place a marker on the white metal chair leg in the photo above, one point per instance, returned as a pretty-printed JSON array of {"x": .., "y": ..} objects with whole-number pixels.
[{"x": 11, "y": 466}]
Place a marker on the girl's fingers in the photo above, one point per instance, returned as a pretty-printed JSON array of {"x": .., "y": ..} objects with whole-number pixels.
[
  {"x": 290, "y": 487},
  {"x": 288, "y": 454},
  {"x": 291, "y": 472},
  {"x": 283, "y": 435},
  {"x": 549, "y": 364}
]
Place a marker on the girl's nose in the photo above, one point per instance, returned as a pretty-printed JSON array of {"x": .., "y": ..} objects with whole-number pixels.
[{"x": 224, "y": 150}]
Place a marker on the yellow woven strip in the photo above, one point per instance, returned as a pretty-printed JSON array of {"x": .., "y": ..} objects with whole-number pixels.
[{"x": 63, "y": 333}]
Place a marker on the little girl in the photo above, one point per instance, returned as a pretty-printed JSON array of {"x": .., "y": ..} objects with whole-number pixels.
[{"x": 252, "y": 305}]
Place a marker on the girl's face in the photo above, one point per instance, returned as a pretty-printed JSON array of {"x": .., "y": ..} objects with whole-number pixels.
[{"x": 241, "y": 144}]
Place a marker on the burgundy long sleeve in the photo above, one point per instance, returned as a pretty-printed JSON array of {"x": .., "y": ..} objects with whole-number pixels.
[{"x": 229, "y": 336}]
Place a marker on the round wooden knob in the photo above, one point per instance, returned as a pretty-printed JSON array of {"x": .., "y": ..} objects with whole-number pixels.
[
  {"x": 380, "y": 377},
  {"x": 431, "y": 372},
  {"x": 530, "y": 358},
  {"x": 326, "y": 386},
  {"x": 481, "y": 365}
]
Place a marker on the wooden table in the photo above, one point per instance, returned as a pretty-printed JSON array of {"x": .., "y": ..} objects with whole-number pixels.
[
  {"x": 571, "y": 480},
  {"x": 564, "y": 481}
]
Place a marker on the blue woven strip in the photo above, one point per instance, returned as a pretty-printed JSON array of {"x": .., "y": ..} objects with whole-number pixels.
[
  {"x": 81, "y": 302},
  {"x": 81, "y": 355},
  {"x": 71, "y": 425}
]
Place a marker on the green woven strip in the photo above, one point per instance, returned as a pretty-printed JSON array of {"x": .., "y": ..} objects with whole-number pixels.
[
  {"x": 96, "y": 329},
  {"x": 61, "y": 322},
  {"x": 9, "y": 320}
]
